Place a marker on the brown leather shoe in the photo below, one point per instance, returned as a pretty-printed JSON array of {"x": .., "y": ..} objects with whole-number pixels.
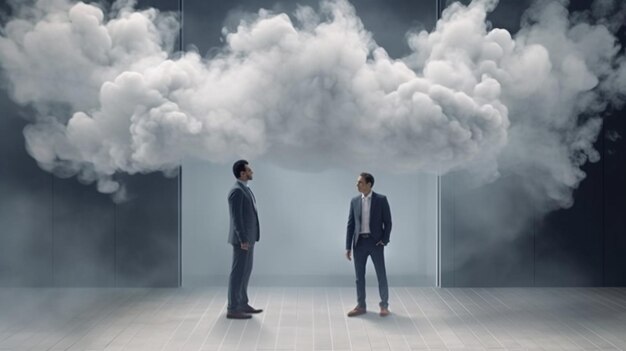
[
  {"x": 357, "y": 311},
  {"x": 384, "y": 312},
  {"x": 237, "y": 315},
  {"x": 250, "y": 309}
]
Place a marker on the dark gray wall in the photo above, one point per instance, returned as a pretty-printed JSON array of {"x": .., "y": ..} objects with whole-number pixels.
[
  {"x": 58, "y": 232},
  {"x": 614, "y": 202},
  {"x": 584, "y": 245},
  {"x": 25, "y": 208},
  {"x": 580, "y": 246}
]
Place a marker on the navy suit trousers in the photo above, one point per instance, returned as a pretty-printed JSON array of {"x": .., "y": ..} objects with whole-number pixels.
[{"x": 367, "y": 247}]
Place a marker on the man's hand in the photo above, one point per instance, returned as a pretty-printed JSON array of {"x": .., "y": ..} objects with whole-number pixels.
[
  {"x": 245, "y": 246},
  {"x": 380, "y": 243},
  {"x": 349, "y": 255}
]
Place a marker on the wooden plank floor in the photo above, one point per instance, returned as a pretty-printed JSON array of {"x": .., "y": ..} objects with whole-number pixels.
[{"x": 314, "y": 319}]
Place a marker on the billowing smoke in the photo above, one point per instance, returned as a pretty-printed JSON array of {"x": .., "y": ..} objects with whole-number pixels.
[{"x": 314, "y": 90}]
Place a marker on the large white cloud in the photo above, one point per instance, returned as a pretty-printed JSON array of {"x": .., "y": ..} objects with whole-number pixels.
[{"x": 313, "y": 90}]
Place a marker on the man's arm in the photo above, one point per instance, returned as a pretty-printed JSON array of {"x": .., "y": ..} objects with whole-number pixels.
[
  {"x": 350, "y": 229},
  {"x": 386, "y": 221},
  {"x": 235, "y": 201}
]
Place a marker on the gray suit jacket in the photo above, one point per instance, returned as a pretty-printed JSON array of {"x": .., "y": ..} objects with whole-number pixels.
[
  {"x": 244, "y": 220},
  {"x": 380, "y": 220}
]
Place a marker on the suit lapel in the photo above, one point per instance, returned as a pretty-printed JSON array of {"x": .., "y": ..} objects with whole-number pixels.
[
  {"x": 357, "y": 208},
  {"x": 373, "y": 204},
  {"x": 373, "y": 207},
  {"x": 248, "y": 193}
]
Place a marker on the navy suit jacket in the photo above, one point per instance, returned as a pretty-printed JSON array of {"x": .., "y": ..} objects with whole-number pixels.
[
  {"x": 380, "y": 220},
  {"x": 244, "y": 219}
]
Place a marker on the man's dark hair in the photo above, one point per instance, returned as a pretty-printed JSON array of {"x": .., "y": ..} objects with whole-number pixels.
[
  {"x": 238, "y": 167},
  {"x": 368, "y": 178}
]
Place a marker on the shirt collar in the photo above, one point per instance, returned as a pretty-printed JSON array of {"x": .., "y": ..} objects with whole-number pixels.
[
  {"x": 369, "y": 196},
  {"x": 242, "y": 182}
]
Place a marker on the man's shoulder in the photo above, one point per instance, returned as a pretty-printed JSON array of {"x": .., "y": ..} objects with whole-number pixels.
[
  {"x": 234, "y": 189},
  {"x": 379, "y": 195}
]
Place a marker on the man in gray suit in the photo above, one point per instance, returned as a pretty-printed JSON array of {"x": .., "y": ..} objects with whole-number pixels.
[
  {"x": 369, "y": 227},
  {"x": 243, "y": 233}
]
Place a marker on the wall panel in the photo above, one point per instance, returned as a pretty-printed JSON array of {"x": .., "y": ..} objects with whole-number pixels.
[
  {"x": 580, "y": 246},
  {"x": 58, "y": 232}
]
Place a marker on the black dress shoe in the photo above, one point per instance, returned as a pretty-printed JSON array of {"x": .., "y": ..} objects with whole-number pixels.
[
  {"x": 250, "y": 309},
  {"x": 237, "y": 315}
]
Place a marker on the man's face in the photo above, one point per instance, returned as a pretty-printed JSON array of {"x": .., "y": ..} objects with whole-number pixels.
[
  {"x": 362, "y": 186},
  {"x": 247, "y": 174}
]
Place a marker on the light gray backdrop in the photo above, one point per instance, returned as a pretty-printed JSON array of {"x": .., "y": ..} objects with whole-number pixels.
[{"x": 303, "y": 220}]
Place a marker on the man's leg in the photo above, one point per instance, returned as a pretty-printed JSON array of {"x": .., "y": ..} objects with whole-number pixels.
[
  {"x": 378, "y": 257},
  {"x": 246, "y": 277},
  {"x": 236, "y": 278},
  {"x": 360, "y": 260}
]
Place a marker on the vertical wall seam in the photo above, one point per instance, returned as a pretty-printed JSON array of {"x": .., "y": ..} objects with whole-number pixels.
[
  {"x": 180, "y": 168},
  {"x": 52, "y": 198},
  {"x": 115, "y": 244},
  {"x": 535, "y": 224},
  {"x": 438, "y": 272},
  {"x": 603, "y": 196}
]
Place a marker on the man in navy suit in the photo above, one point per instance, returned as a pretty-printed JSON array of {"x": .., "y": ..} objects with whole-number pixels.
[
  {"x": 243, "y": 233},
  {"x": 369, "y": 227}
]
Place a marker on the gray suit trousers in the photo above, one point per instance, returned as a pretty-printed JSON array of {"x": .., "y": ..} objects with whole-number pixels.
[{"x": 239, "y": 278}]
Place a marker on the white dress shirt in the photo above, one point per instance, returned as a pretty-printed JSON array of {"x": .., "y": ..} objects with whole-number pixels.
[{"x": 366, "y": 204}]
